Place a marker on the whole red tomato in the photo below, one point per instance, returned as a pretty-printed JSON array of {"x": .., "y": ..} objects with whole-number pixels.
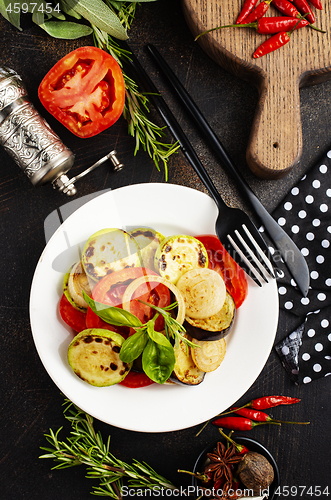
[{"x": 85, "y": 91}]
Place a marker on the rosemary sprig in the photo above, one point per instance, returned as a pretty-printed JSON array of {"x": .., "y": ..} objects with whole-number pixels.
[
  {"x": 136, "y": 109},
  {"x": 86, "y": 447}
]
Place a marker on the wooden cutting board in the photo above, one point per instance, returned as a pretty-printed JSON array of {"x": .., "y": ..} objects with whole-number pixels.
[{"x": 275, "y": 144}]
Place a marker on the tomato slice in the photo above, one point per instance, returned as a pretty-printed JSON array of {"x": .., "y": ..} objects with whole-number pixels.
[
  {"x": 222, "y": 262},
  {"x": 85, "y": 91},
  {"x": 134, "y": 380},
  {"x": 71, "y": 316},
  {"x": 110, "y": 289}
]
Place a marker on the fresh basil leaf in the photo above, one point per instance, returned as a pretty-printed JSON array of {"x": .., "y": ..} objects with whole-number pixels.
[
  {"x": 66, "y": 29},
  {"x": 113, "y": 315},
  {"x": 158, "y": 337},
  {"x": 99, "y": 14},
  {"x": 158, "y": 361},
  {"x": 133, "y": 346}
]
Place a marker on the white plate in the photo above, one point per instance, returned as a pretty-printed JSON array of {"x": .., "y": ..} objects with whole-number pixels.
[{"x": 170, "y": 209}]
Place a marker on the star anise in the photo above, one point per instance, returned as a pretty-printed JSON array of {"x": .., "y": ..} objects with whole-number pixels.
[{"x": 221, "y": 461}]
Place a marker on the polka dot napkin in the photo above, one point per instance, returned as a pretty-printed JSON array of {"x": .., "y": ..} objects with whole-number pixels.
[{"x": 305, "y": 214}]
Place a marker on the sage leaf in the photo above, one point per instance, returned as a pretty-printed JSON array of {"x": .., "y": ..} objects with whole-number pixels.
[
  {"x": 66, "y": 29},
  {"x": 99, "y": 14},
  {"x": 133, "y": 346},
  {"x": 68, "y": 10},
  {"x": 158, "y": 361},
  {"x": 7, "y": 11},
  {"x": 113, "y": 315}
]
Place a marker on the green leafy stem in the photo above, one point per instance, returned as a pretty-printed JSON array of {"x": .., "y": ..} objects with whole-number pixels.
[
  {"x": 155, "y": 348},
  {"x": 86, "y": 447},
  {"x": 106, "y": 20}
]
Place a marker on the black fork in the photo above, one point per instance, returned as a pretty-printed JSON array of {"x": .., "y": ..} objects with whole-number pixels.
[{"x": 233, "y": 227}]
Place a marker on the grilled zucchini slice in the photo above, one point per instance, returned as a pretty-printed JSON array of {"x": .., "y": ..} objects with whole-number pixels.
[
  {"x": 94, "y": 357},
  {"x": 178, "y": 254},
  {"x": 148, "y": 241},
  {"x": 110, "y": 250}
]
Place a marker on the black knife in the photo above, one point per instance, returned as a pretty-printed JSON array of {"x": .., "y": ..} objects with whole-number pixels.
[{"x": 289, "y": 252}]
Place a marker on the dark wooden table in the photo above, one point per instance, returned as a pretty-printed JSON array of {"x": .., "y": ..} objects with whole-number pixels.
[{"x": 30, "y": 402}]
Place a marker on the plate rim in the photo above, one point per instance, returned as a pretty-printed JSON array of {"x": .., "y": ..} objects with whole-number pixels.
[{"x": 118, "y": 192}]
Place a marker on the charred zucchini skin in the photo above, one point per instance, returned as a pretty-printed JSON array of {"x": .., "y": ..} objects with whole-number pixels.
[
  {"x": 205, "y": 329},
  {"x": 94, "y": 357},
  {"x": 178, "y": 254},
  {"x": 109, "y": 250}
]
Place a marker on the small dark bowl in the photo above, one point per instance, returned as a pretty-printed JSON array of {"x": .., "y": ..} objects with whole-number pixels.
[{"x": 252, "y": 445}]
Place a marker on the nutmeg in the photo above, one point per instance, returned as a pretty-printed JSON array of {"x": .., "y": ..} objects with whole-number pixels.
[{"x": 255, "y": 472}]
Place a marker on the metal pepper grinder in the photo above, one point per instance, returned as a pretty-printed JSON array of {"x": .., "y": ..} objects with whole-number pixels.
[{"x": 31, "y": 142}]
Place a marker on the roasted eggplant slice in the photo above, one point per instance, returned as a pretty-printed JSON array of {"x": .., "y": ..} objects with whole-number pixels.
[
  {"x": 208, "y": 355},
  {"x": 185, "y": 371},
  {"x": 215, "y": 327}
]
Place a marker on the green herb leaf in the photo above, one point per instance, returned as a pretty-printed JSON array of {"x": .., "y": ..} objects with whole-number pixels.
[
  {"x": 100, "y": 15},
  {"x": 8, "y": 12},
  {"x": 66, "y": 29},
  {"x": 68, "y": 10},
  {"x": 113, "y": 315},
  {"x": 158, "y": 361},
  {"x": 159, "y": 338},
  {"x": 133, "y": 346}
]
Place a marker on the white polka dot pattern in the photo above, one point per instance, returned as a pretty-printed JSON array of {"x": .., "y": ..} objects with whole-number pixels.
[{"x": 305, "y": 215}]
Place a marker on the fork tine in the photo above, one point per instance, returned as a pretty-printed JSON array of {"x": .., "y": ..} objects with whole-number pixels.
[
  {"x": 257, "y": 276},
  {"x": 253, "y": 256},
  {"x": 260, "y": 251}
]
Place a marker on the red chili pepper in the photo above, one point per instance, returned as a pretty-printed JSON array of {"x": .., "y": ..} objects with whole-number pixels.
[
  {"x": 258, "y": 12},
  {"x": 317, "y": 4},
  {"x": 247, "y": 9},
  {"x": 239, "y": 423},
  {"x": 287, "y": 8},
  {"x": 304, "y": 8},
  {"x": 241, "y": 449},
  {"x": 271, "y": 401},
  {"x": 260, "y": 416},
  {"x": 272, "y": 25},
  {"x": 273, "y": 43}
]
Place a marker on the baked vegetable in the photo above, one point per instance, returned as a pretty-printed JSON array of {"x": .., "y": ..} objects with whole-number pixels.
[
  {"x": 94, "y": 357},
  {"x": 178, "y": 254},
  {"x": 215, "y": 327},
  {"x": 148, "y": 241},
  {"x": 203, "y": 291},
  {"x": 109, "y": 250},
  {"x": 74, "y": 282},
  {"x": 208, "y": 355},
  {"x": 185, "y": 370}
]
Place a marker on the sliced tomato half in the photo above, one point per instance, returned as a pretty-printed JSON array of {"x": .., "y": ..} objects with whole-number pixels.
[
  {"x": 71, "y": 316},
  {"x": 85, "y": 91},
  {"x": 110, "y": 289},
  {"x": 222, "y": 262},
  {"x": 134, "y": 380}
]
